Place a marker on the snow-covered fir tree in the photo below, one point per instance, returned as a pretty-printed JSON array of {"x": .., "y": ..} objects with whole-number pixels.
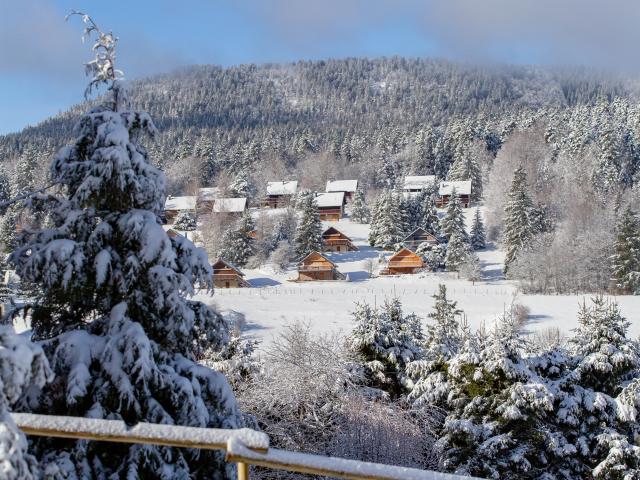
[
  {"x": 429, "y": 220},
  {"x": 386, "y": 221},
  {"x": 591, "y": 416},
  {"x": 625, "y": 261},
  {"x": 308, "y": 236},
  {"x": 186, "y": 222},
  {"x": 465, "y": 167},
  {"x": 517, "y": 225},
  {"x": 8, "y": 228},
  {"x": 24, "y": 366},
  {"x": 387, "y": 339},
  {"x": 238, "y": 244},
  {"x": 478, "y": 237},
  {"x": 471, "y": 267},
  {"x": 359, "y": 209},
  {"x": 113, "y": 313},
  {"x": 453, "y": 220},
  {"x": 457, "y": 252},
  {"x": 443, "y": 340}
]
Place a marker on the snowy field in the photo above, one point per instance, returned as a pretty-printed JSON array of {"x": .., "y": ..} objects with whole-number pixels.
[{"x": 275, "y": 301}]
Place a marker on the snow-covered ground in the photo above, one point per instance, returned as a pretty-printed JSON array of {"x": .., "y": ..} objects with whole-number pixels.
[{"x": 326, "y": 306}]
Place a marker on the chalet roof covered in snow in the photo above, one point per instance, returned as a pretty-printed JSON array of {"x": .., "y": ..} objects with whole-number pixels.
[
  {"x": 462, "y": 187},
  {"x": 220, "y": 264},
  {"x": 342, "y": 186},
  {"x": 315, "y": 257},
  {"x": 180, "y": 203},
  {"x": 229, "y": 205},
  {"x": 418, "y": 182},
  {"x": 208, "y": 194},
  {"x": 333, "y": 231},
  {"x": 333, "y": 199},
  {"x": 282, "y": 188}
]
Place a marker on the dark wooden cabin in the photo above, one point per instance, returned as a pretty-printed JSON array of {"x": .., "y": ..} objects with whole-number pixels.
[
  {"x": 225, "y": 275},
  {"x": 418, "y": 237},
  {"x": 279, "y": 194},
  {"x": 335, "y": 241},
  {"x": 316, "y": 266},
  {"x": 462, "y": 190},
  {"x": 403, "y": 262}
]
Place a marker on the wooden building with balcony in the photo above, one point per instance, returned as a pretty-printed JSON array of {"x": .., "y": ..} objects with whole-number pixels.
[
  {"x": 348, "y": 187},
  {"x": 418, "y": 237},
  {"x": 330, "y": 206},
  {"x": 226, "y": 275},
  {"x": 335, "y": 241},
  {"x": 462, "y": 189},
  {"x": 316, "y": 266},
  {"x": 403, "y": 262},
  {"x": 280, "y": 194}
]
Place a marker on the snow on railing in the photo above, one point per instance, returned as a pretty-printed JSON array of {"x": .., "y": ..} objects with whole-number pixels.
[{"x": 243, "y": 446}]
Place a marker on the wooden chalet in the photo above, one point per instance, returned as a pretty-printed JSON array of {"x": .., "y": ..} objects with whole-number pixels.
[
  {"x": 232, "y": 206},
  {"x": 414, "y": 184},
  {"x": 330, "y": 206},
  {"x": 418, "y": 237},
  {"x": 226, "y": 275},
  {"x": 462, "y": 189},
  {"x": 349, "y": 188},
  {"x": 403, "y": 262},
  {"x": 279, "y": 194},
  {"x": 336, "y": 241},
  {"x": 173, "y": 206},
  {"x": 316, "y": 266},
  {"x": 206, "y": 197}
]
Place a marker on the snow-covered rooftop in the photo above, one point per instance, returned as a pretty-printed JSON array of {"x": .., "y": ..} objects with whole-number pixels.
[
  {"x": 418, "y": 182},
  {"x": 282, "y": 188},
  {"x": 462, "y": 187},
  {"x": 342, "y": 186},
  {"x": 180, "y": 203},
  {"x": 229, "y": 205},
  {"x": 208, "y": 194},
  {"x": 333, "y": 199}
]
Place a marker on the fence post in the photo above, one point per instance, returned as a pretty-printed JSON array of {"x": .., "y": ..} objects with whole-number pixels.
[{"x": 243, "y": 471}]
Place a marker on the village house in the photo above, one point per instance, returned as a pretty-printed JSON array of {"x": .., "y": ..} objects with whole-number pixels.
[
  {"x": 336, "y": 241},
  {"x": 403, "y": 262},
  {"x": 330, "y": 206},
  {"x": 463, "y": 191},
  {"x": 225, "y": 275},
  {"x": 316, "y": 266},
  {"x": 418, "y": 237},
  {"x": 173, "y": 206},
  {"x": 206, "y": 197},
  {"x": 279, "y": 194},
  {"x": 414, "y": 184},
  {"x": 231, "y": 206},
  {"x": 349, "y": 188}
]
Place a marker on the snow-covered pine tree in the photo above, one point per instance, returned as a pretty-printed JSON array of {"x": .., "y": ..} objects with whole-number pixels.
[
  {"x": 471, "y": 268},
  {"x": 5, "y": 191},
  {"x": 517, "y": 224},
  {"x": 457, "y": 252},
  {"x": 387, "y": 340},
  {"x": 407, "y": 208},
  {"x": 443, "y": 340},
  {"x": 8, "y": 227},
  {"x": 23, "y": 366},
  {"x": 429, "y": 220},
  {"x": 453, "y": 220},
  {"x": 478, "y": 237},
  {"x": 112, "y": 312},
  {"x": 309, "y": 232},
  {"x": 591, "y": 417},
  {"x": 626, "y": 258},
  {"x": 465, "y": 167},
  {"x": 359, "y": 210},
  {"x": 185, "y": 222},
  {"x": 238, "y": 244},
  {"x": 386, "y": 222}
]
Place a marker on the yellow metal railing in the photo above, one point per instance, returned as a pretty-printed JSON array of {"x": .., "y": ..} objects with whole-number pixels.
[{"x": 243, "y": 446}]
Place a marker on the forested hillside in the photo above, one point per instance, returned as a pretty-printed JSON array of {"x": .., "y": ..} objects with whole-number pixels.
[{"x": 574, "y": 133}]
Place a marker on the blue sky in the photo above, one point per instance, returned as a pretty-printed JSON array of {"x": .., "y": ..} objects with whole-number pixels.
[{"x": 41, "y": 56}]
